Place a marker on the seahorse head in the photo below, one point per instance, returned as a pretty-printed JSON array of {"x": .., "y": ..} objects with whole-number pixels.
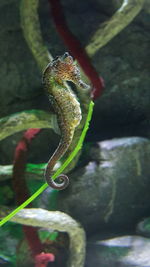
[{"x": 65, "y": 68}]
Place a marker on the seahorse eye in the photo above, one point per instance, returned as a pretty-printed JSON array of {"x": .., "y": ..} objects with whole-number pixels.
[{"x": 66, "y": 54}]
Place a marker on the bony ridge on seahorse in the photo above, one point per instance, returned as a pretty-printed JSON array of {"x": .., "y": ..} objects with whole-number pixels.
[{"x": 66, "y": 107}]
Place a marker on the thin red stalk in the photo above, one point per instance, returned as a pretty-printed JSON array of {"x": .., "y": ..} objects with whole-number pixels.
[
  {"x": 75, "y": 47},
  {"x": 31, "y": 235},
  {"x": 20, "y": 159},
  {"x": 20, "y": 187}
]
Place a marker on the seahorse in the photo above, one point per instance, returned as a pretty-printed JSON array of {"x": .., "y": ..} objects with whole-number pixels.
[{"x": 66, "y": 106}]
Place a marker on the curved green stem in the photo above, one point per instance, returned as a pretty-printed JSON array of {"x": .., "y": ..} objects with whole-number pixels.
[
  {"x": 69, "y": 159},
  {"x": 109, "y": 29},
  {"x": 32, "y": 32},
  {"x": 26, "y": 119}
]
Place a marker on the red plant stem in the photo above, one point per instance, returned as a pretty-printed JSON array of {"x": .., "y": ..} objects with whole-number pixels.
[
  {"x": 20, "y": 159},
  {"x": 75, "y": 47},
  {"x": 20, "y": 187},
  {"x": 33, "y": 240}
]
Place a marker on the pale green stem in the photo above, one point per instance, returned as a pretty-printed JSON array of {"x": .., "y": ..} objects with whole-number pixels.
[
  {"x": 26, "y": 119},
  {"x": 109, "y": 29},
  {"x": 32, "y": 32},
  {"x": 58, "y": 221}
]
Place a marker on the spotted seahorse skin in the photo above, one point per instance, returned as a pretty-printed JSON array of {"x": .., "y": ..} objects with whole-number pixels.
[{"x": 65, "y": 105}]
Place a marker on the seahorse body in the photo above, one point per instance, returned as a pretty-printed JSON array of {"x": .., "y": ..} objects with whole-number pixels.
[{"x": 66, "y": 106}]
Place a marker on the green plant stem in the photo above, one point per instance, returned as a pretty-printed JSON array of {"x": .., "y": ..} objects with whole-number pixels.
[
  {"x": 65, "y": 164},
  {"x": 109, "y": 29}
]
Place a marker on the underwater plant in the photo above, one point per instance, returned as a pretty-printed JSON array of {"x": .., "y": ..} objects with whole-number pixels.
[{"x": 33, "y": 36}]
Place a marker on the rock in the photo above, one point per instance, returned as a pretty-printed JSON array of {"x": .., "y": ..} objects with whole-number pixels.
[
  {"x": 123, "y": 109},
  {"x": 19, "y": 75},
  {"x": 113, "y": 190},
  {"x": 124, "y": 251},
  {"x": 143, "y": 227},
  {"x": 147, "y": 6}
]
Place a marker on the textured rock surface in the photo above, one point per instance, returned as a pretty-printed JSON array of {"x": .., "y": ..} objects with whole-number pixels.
[
  {"x": 124, "y": 251},
  {"x": 143, "y": 227},
  {"x": 20, "y": 80},
  {"x": 112, "y": 190}
]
